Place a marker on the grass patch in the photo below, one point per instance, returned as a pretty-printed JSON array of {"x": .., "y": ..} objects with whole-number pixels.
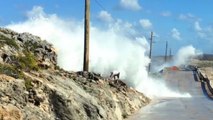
[
  {"x": 8, "y": 41},
  {"x": 28, "y": 84},
  {"x": 27, "y": 62},
  {"x": 11, "y": 71},
  {"x": 19, "y": 64}
]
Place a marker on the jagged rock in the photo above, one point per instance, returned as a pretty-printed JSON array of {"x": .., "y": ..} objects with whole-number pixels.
[
  {"x": 43, "y": 51},
  {"x": 26, "y": 37},
  {"x": 42, "y": 93},
  {"x": 1, "y": 60},
  {"x": 10, "y": 112},
  {"x": 118, "y": 84},
  {"x": 8, "y": 32},
  {"x": 89, "y": 75},
  {"x": 65, "y": 99}
]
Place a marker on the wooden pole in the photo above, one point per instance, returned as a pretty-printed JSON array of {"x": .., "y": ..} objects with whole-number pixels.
[
  {"x": 166, "y": 51},
  {"x": 150, "y": 51},
  {"x": 86, "y": 35}
]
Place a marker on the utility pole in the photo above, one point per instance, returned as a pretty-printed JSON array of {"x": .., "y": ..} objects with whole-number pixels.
[
  {"x": 150, "y": 51},
  {"x": 170, "y": 54},
  {"x": 86, "y": 35},
  {"x": 166, "y": 51}
]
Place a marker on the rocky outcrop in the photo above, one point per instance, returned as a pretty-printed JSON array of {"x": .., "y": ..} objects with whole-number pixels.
[
  {"x": 15, "y": 44},
  {"x": 33, "y": 87},
  {"x": 10, "y": 112}
]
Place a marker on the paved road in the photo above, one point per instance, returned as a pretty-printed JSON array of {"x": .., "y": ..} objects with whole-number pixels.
[{"x": 197, "y": 107}]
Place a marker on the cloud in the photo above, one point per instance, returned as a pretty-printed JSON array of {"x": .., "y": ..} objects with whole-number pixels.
[
  {"x": 166, "y": 14},
  {"x": 188, "y": 17},
  {"x": 175, "y": 34},
  {"x": 145, "y": 23},
  {"x": 130, "y": 5},
  {"x": 197, "y": 26},
  {"x": 201, "y": 32},
  {"x": 105, "y": 16},
  {"x": 205, "y": 33}
]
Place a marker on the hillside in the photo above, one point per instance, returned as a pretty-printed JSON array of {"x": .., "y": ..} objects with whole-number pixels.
[{"x": 33, "y": 87}]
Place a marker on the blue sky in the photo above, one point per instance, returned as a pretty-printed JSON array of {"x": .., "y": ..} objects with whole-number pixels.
[{"x": 178, "y": 22}]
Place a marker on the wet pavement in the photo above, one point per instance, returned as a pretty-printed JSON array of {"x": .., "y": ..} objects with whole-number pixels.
[{"x": 196, "y": 107}]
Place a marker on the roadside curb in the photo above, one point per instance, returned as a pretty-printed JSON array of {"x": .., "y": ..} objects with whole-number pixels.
[{"x": 205, "y": 84}]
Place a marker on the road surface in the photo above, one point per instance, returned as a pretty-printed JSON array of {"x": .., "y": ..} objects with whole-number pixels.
[{"x": 197, "y": 107}]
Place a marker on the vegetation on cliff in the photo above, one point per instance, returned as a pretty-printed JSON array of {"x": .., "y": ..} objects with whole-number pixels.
[{"x": 32, "y": 86}]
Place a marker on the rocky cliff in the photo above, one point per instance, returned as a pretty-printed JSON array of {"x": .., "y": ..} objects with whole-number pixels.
[{"x": 33, "y": 87}]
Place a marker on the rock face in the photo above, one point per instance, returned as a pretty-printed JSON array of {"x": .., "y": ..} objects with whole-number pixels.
[
  {"x": 15, "y": 45},
  {"x": 33, "y": 87},
  {"x": 10, "y": 112}
]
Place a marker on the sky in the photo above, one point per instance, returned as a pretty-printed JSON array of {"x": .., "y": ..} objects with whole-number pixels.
[{"x": 179, "y": 22}]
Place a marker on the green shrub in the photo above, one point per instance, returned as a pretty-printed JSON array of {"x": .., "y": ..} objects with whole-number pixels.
[
  {"x": 19, "y": 64},
  {"x": 28, "y": 62},
  {"x": 28, "y": 83},
  {"x": 8, "y": 41},
  {"x": 11, "y": 71}
]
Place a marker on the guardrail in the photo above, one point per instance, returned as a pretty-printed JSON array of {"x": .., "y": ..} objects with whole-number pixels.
[
  {"x": 209, "y": 85},
  {"x": 206, "y": 80}
]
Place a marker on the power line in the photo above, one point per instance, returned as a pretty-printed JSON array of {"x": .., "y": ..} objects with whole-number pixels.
[
  {"x": 129, "y": 34},
  {"x": 100, "y": 5},
  {"x": 103, "y": 8}
]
